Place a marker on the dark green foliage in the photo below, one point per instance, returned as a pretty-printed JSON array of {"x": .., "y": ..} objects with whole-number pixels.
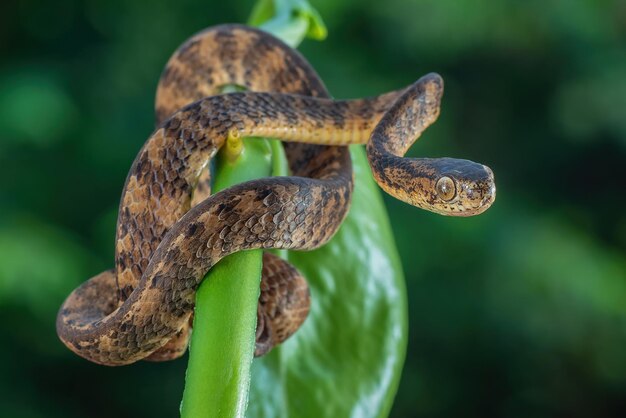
[{"x": 519, "y": 312}]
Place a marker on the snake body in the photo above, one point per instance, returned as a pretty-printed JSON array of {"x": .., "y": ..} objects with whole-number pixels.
[{"x": 169, "y": 236}]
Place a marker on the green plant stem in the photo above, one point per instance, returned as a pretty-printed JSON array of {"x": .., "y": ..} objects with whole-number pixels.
[
  {"x": 222, "y": 343},
  {"x": 289, "y": 20}
]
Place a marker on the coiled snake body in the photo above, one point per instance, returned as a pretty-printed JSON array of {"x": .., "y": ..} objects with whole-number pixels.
[{"x": 170, "y": 232}]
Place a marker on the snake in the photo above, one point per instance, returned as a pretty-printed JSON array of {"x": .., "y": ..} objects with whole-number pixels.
[{"x": 171, "y": 230}]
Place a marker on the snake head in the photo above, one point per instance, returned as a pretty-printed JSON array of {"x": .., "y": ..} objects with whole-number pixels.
[
  {"x": 459, "y": 187},
  {"x": 446, "y": 186}
]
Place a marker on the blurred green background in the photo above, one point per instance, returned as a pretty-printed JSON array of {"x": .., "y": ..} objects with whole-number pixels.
[{"x": 520, "y": 312}]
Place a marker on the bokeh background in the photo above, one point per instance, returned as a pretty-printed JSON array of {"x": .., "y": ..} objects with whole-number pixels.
[{"x": 520, "y": 312}]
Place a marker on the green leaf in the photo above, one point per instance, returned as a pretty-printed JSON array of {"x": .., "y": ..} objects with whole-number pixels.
[{"x": 348, "y": 357}]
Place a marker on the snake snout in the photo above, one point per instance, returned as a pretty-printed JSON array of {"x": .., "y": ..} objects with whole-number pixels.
[{"x": 489, "y": 190}]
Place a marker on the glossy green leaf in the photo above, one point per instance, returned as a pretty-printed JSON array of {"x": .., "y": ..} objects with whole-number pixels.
[{"x": 347, "y": 359}]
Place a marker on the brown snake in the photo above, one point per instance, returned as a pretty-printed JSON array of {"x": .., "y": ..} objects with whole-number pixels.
[{"x": 170, "y": 232}]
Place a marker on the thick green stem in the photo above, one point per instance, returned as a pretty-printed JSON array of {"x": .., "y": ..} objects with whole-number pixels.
[{"x": 222, "y": 343}]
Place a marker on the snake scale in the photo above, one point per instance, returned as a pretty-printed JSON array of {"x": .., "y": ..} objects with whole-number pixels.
[{"x": 171, "y": 231}]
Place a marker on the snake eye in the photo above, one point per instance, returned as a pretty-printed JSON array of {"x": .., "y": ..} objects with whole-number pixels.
[{"x": 446, "y": 190}]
